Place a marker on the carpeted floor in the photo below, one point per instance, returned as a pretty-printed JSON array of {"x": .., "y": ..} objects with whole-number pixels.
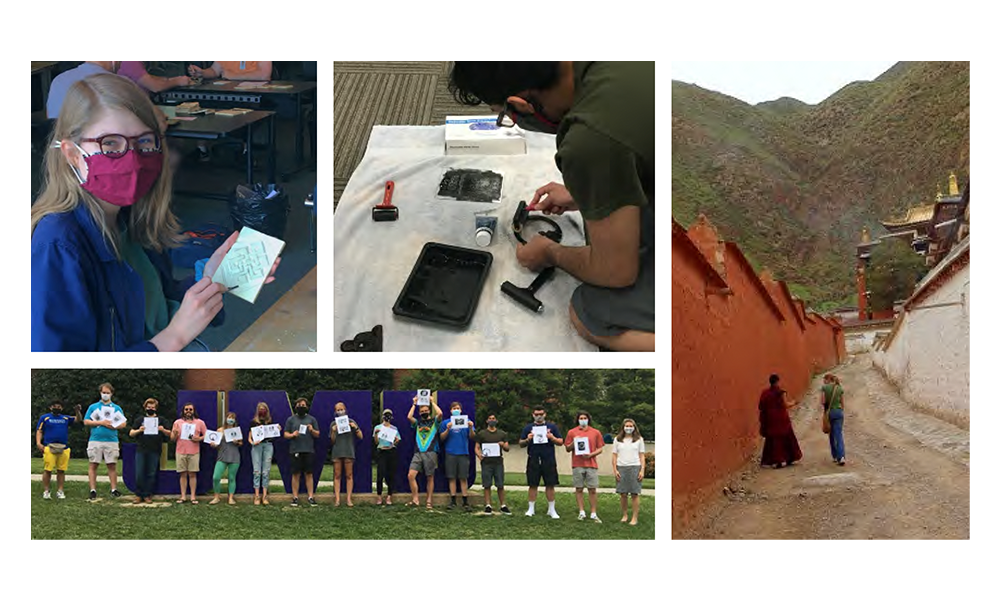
[{"x": 366, "y": 94}]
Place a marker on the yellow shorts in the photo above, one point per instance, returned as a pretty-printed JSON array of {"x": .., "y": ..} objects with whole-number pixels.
[{"x": 56, "y": 462}]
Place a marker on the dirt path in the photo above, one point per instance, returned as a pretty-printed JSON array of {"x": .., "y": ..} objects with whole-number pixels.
[{"x": 907, "y": 475}]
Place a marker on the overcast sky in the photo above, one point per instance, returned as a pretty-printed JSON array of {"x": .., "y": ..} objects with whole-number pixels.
[{"x": 753, "y": 82}]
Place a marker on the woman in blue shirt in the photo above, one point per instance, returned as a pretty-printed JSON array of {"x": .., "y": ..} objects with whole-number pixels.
[{"x": 100, "y": 279}]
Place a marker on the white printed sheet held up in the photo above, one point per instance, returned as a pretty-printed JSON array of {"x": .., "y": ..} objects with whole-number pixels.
[
  {"x": 248, "y": 263},
  {"x": 491, "y": 449},
  {"x": 581, "y": 446}
]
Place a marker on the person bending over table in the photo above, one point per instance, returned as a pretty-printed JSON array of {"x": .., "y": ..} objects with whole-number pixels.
[
  {"x": 603, "y": 116},
  {"x": 100, "y": 229}
]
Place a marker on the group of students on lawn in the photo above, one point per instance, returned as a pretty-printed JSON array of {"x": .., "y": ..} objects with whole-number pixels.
[{"x": 301, "y": 429}]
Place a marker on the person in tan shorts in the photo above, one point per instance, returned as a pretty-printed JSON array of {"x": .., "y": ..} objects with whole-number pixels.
[{"x": 188, "y": 450}]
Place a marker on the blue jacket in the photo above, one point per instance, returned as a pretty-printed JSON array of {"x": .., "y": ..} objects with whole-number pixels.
[{"x": 82, "y": 297}]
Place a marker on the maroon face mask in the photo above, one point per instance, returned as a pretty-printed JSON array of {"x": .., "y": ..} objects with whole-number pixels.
[{"x": 122, "y": 181}]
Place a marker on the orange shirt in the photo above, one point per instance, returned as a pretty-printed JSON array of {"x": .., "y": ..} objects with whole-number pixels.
[
  {"x": 237, "y": 66},
  {"x": 596, "y": 441}
]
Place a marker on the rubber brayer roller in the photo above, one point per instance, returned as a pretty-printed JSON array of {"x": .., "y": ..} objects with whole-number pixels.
[{"x": 386, "y": 211}]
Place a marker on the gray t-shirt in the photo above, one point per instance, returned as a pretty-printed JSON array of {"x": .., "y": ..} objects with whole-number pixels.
[
  {"x": 303, "y": 443},
  {"x": 343, "y": 444},
  {"x": 228, "y": 453}
]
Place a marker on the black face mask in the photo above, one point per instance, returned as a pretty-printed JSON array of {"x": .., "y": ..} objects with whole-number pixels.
[
  {"x": 56, "y": 411},
  {"x": 491, "y": 423},
  {"x": 150, "y": 411},
  {"x": 425, "y": 416},
  {"x": 301, "y": 410},
  {"x": 387, "y": 418}
]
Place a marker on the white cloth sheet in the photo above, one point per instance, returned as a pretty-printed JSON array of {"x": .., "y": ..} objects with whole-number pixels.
[{"x": 372, "y": 260}]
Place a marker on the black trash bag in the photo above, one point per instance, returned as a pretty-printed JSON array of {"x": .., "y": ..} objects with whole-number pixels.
[{"x": 261, "y": 207}]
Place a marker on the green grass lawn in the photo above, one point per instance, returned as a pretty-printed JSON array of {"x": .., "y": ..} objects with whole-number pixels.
[
  {"x": 78, "y": 466},
  {"x": 75, "y": 518}
]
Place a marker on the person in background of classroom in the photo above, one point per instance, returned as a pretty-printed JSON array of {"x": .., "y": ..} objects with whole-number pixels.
[
  {"x": 103, "y": 444},
  {"x": 261, "y": 455},
  {"x": 491, "y": 467},
  {"x": 456, "y": 457},
  {"x": 52, "y": 440},
  {"x": 236, "y": 70},
  {"x": 101, "y": 279},
  {"x": 301, "y": 448},
  {"x": 342, "y": 454},
  {"x": 541, "y": 460},
  {"x": 148, "y": 449},
  {"x": 64, "y": 81},
  {"x": 385, "y": 456},
  {"x": 585, "y": 465},
  {"x": 136, "y": 71},
  {"x": 188, "y": 451},
  {"x": 628, "y": 458},
  {"x": 425, "y": 456},
  {"x": 228, "y": 461}
]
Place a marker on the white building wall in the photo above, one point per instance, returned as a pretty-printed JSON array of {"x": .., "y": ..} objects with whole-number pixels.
[
  {"x": 929, "y": 358},
  {"x": 859, "y": 342}
]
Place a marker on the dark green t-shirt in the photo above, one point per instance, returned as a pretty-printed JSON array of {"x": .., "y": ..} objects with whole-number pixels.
[
  {"x": 485, "y": 436},
  {"x": 834, "y": 392},
  {"x": 605, "y": 143}
]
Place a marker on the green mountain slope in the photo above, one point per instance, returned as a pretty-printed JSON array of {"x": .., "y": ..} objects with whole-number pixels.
[{"x": 794, "y": 183}]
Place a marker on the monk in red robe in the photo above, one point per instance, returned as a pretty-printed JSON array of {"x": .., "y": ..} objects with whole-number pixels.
[{"x": 780, "y": 446}]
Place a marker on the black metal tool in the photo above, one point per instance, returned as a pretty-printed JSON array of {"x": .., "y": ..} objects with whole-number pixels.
[{"x": 526, "y": 296}]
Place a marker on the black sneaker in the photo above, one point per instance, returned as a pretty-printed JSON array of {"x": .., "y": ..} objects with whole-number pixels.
[
  {"x": 505, "y": 510},
  {"x": 466, "y": 508},
  {"x": 295, "y": 501},
  {"x": 452, "y": 506},
  {"x": 312, "y": 502},
  {"x": 116, "y": 494},
  {"x": 93, "y": 495},
  {"x": 488, "y": 510}
]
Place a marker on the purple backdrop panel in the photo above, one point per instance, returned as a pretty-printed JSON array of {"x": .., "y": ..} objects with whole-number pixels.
[
  {"x": 468, "y": 401},
  {"x": 400, "y": 402},
  {"x": 244, "y": 404},
  {"x": 167, "y": 482},
  {"x": 359, "y": 408}
]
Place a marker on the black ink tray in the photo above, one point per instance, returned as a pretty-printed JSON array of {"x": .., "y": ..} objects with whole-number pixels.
[{"x": 444, "y": 285}]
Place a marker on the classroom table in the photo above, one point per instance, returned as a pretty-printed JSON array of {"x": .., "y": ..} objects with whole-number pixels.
[
  {"x": 214, "y": 127},
  {"x": 288, "y": 326},
  {"x": 372, "y": 260},
  {"x": 223, "y": 91}
]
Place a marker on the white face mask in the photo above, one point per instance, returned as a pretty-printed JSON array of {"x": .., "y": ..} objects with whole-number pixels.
[
  {"x": 106, "y": 397},
  {"x": 583, "y": 422},
  {"x": 230, "y": 421},
  {"x": 629, "y": 430}
]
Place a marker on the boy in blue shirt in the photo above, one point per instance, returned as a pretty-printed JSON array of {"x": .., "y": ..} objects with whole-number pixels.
[
  {"x": 103, "y": 444},
  {"x": 52, "y": 439},
  {"x": 456, "y": 458}
]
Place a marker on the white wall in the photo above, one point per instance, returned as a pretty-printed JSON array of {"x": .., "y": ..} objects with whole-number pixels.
[
  {"x": 929, "y": 358},
  {"x": 858, "y": 342}
]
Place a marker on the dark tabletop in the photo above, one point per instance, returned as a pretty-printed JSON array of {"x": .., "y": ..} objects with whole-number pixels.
[
  {"x": 226, "y": 86},
  {"x": 211, "y": 126}
]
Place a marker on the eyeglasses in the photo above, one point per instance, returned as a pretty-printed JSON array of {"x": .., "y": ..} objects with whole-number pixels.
[
  {"x": 505, "y": 118},
  {"x": 115, "y": 145}
]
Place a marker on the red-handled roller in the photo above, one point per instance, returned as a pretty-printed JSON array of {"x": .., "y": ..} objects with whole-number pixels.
[{"x": 386, "y": 211}]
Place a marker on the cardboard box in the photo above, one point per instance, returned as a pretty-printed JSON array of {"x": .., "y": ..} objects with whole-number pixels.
[{"x": 465, "y": 135}]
